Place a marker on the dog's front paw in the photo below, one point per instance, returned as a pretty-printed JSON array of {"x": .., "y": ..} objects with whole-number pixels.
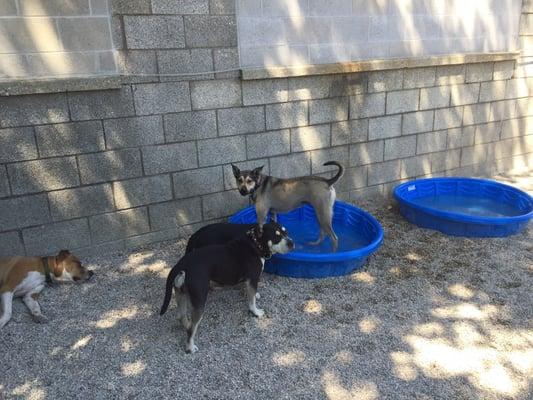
[
  {"x": 257, "y": 296},
  {"x": 41, "y": 319},
  {"x": 258, "y": 312},
  {"x": 191, "y": 349}
]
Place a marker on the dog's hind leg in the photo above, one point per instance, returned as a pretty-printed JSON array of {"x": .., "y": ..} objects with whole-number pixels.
[
  {"x": 324, "y": 214},
  {"x": 182, "y": 300},
  {"x": 7, "y": 304},
  {"x": 251, "y": 291},
  {"x": 196, "y": 315}
]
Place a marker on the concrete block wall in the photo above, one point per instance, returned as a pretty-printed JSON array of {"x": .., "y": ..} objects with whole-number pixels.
[
  {"x": 110, "y": 170},
  {"x": 301, "y": 32},
  {"x": 55, "y": 38}
]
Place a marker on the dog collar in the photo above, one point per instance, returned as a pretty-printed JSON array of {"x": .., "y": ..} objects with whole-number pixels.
[
  {"x": 47, "y": 275},
  {"x": 265, "y": 253}
]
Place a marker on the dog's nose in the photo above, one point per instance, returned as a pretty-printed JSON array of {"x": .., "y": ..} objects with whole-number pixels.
[
  {"x": 290, "y": 244},
  {"x": 242, "y": 191}
]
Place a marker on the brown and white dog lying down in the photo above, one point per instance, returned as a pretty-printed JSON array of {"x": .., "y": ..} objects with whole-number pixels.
[{"x": 26, "y": 276}]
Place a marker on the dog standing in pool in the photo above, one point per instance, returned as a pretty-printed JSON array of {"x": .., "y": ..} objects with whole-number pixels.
[{"x": 270, "y": 194}]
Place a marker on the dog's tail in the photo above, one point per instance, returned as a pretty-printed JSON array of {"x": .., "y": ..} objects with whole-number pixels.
[
  {"x": 177, "y": 269},
  {"x": 331, "y": 181}
]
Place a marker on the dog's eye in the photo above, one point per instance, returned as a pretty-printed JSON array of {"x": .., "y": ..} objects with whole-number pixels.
[
  {"x": 248, "y": 180},
  {"x": 240, "y": 180}
]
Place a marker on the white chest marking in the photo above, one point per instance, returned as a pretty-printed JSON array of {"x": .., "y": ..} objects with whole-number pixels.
[
  {"x": 263, "y": 264},
  {"x": 30, "y": 282}
]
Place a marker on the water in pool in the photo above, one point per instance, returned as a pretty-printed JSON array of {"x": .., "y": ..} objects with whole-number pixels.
[
  {"x": 468, "y": 205},
  {"x": 302, "y": 234}
]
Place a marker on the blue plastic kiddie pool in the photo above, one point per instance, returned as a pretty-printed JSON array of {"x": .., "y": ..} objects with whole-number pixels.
[
  {"x": 465, "y": 206},
  {"x": 359, "y": 233}
]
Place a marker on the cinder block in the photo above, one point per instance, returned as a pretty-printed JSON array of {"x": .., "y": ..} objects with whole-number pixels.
[
  {"x": 388, "y": 171},
  {"x": 249, "y": 8},
  {"x": 216, "y": 94},
  {"x": 132, "y": 243},
  {"x": 448, "y": 118},
  {"x": 197, "y": 182},
  {"x": 161, "y": 98},
  {"x": 460, "y": 137},
  {"x": 68, "y": 139},
  {"x": 56, "y": 8},
  {"x": 109, "y": 165},
  {"x": 33, "y": 110},
  {"x": 347, "y": 132},
  {"x": 419, "y": 77},
  {"x": 226, "y": 60},
  {"x": 180, "y": 6},
  {"x": 43, "y": 175},
  {"x": 81, "y": 202},
  {"x": 183, "y": 62},
  {"x": 229, "y": 178},
  {"x": 190, "y": 126},
  {"x": 50, "y": 239},
  {"x": 131, "y": 132},
  {"x": 366, "y": 153},
  {"x": 20, "y": 34},
  {"x": 474, "y": 155},
  {"x": 222, "y": 7},
  {"x": 8, "y": 8},
  {"x": 99, "y": 7},
  {"x": 353, "y": 178},
  {"x": 210, "y": 30},
  {"x": 130, "y": 6},
  {"x": 264, "y": 91},
  {"x": 367, "y": 105},
  {"x": 310, "y": 138},
  {"x": 517, "y": 88},
  {"x": 517, "y": 127},
  {"x": 4, "y": 184},
  {"x": 450, "y": 74},
  {"x": 268, "y": 144},
  {"x": 17, "y": 144},
  {"x": 385, "y": 127},
  {"x": 476, "y": 114},
  {"x": 487, "y": 133},
  {"x": 435, "y": 97},
  {"x": 20, "y": 212},
  {"x": 221, "y": 151},
  {"x": 131, "y": 62},
  {"x": 340, "y": 154},
  {"x": 11, "y": 244},
  {"x": 101, "y": 104},
  {"x": 154, "y": 31},
  {"x": 503, "y": 70},
  {"x": 402, "y": 101},
  {"x": 431, "y": 142},
  {"x": 222, "y": 204},
  {"x": 118, "y": 225},
  {"x": 445, "y": 160},
  {"x": 175, "y": 213},
  {"x": 309, "y": 87},
  {"x": 500, "y": 110},
  {"x": 384, "y": 81},
  {"x": 291, "y": 166},
  {"x": 491, "y": 91},
  {"x": 236, "y": 121},
  {"x": 83, "y": 34},
  {"x": 524, "y": 107},
  {"x": 465, "y": 94},
  {"x": 142, "y": 191},
  {"x": 415, "y": 166},
  {"x": 328, "y": 110},
  {"x": 169, "y": 158},
  {"x": 402, "y": 147},
  {"x": 417, "y": 122},
  {"x": 479, "y": 72},
  {"x": 349, "y": 84},
  {"x": 286, "y": 115}
]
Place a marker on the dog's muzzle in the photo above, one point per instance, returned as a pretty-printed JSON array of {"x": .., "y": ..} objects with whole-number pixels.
[
  {"x": 290, "y": 244},
  {"x": 243, "y": 191}
]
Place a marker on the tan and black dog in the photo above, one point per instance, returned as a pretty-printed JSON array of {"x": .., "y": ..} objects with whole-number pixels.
[{"x": 26, "y": 277}]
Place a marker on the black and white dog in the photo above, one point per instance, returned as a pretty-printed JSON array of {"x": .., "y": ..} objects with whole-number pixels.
[{"x": 238, "y": 258}]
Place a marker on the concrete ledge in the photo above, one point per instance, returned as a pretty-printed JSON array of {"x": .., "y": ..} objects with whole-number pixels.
[
  {"x": 57, "y": 85},
  {"x": 375, "y": 65}
]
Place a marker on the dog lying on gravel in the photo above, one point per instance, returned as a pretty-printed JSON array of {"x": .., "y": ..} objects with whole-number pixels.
[
  {"x": 241, "y": 259},
  {"x": 26, "y": 277},
  {"x": 283, "y": 195}
]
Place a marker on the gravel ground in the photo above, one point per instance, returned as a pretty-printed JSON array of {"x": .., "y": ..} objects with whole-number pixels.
[{"x": 429, "y": 317}]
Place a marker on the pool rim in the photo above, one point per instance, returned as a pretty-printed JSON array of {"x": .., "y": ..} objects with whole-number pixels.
[
  {"x": 459, "y": 217},
  {"x": 359, "y": 253}
]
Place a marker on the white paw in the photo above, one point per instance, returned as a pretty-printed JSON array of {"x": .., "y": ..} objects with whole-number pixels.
[
  {"x": 257, "y": 296},
  {"x": 258, "y": 312},
  {"x": 191, "y": 349}
]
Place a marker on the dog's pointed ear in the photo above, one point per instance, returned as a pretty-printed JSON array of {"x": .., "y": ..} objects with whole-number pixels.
[
  {"x": 236, "y": 171},
  {"x": 257, "y": 171},
  {"x": 62, "y": 255}
]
